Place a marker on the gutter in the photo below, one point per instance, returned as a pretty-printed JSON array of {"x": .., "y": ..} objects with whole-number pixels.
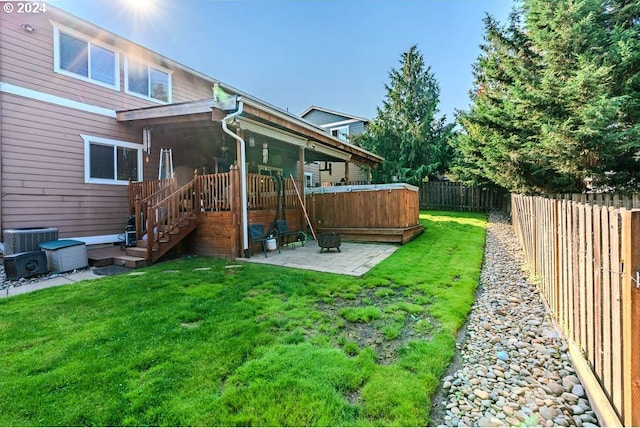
[{"x": 244, "y": 222}]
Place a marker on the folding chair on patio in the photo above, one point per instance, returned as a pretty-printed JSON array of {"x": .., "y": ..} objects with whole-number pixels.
[
  {"x": 286, "y": 236},
  {"x": 257, "y": 235}
]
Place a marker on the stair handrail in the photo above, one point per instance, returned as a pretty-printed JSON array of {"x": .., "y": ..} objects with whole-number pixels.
[
  {"x": 141, "y": 203},
  {"x": 142, "y": 189},
  {"x": 169, "y": 213}
]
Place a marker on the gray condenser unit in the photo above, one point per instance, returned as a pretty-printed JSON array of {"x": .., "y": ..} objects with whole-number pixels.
[{"x": 26, "y": 239}]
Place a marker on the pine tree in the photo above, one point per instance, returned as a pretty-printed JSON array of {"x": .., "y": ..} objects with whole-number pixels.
[{"x": 405, "y": 131}]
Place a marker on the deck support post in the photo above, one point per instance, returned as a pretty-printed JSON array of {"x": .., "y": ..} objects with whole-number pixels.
[{"x": 347, "y": 181}]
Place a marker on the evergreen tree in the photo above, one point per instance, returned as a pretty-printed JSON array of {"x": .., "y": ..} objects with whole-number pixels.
[
  {"x": 557, "y": 103},
  {"x": 499, "y": 144},
  {"x": 405, "y": 131},
  {"x": 622, "y": 20}
]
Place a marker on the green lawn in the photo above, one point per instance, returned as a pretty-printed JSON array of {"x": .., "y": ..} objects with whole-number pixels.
[{"x": 249, "y": 345}]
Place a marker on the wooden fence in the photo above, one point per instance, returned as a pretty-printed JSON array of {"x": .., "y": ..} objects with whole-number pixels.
[
  {"x": 606, "y": 199},
  {"x": 586, "y": 258},
  {"x": 444, "y": 195}
]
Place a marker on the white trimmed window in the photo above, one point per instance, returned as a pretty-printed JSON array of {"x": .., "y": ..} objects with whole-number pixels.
[
  {"x": 109, "y": 161},
  {"x": 146, "y": 81},
  {"x": 341, "y": 133},
  {"x": 76, "y": 55},
  {"x": 308, "y": 179}
]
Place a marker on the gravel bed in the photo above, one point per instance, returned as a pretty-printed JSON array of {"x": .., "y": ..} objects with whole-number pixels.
[
  {"x": 512, "y": 367},
  {"x": 6, "y": 283}
]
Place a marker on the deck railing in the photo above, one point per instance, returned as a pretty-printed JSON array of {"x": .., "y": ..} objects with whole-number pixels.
[
  {"x": 215, "y": 191},
  {"x": 261, "y": 192},
  {"x": 143, "y": 190}
]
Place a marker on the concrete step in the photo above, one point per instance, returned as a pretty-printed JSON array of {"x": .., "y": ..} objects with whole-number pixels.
[{"x": 130, "y": 261}]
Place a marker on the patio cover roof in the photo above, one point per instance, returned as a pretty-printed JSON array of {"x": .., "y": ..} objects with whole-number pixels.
[{"x": 259, "y": 118}]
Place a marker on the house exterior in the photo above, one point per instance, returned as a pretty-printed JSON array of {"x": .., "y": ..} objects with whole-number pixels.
[
  {"x": 344, "y": 127},
  {"x": 84, "y": 114}
]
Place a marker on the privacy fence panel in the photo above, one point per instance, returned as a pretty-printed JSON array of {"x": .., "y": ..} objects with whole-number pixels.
[
  {"x": 586, "y": 258},
  {"x": 445, "y": 195}
]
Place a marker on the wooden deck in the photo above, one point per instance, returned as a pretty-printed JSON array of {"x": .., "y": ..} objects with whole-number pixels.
[
  {"x": 387, "y": 213},
  {"x": 397, "y": 235}
]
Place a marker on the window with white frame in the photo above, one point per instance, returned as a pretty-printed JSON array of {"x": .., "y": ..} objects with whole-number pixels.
[
  {"x": 308, "y": 179},
  {"x": 341, "y": 133},
  {"x": 78, "y": 56},
  {"x": 147, "y": 81},
  {"x": 109, "y": 161}
]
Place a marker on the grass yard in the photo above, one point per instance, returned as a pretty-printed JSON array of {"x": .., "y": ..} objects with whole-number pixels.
[{"x": 250, "y": 345}]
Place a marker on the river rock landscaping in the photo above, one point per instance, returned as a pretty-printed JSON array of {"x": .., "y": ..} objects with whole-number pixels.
[{"x": 512, "y": 367}]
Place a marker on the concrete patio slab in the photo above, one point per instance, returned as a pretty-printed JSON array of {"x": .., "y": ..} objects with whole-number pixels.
[{"x": 354, "y": 259}]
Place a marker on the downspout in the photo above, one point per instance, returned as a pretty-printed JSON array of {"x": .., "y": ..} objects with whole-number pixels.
[{"x": 243, "y": 177}]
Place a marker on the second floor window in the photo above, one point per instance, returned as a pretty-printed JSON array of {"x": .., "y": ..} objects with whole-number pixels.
[
  {"x": 150, "y": 82},
  {"x": 341, "y": 133},
  {"x": 84, "y": 59}
]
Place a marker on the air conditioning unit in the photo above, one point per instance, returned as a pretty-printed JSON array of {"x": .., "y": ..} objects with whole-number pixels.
[
  {"x": 25, "y": 265},
  {"x": 25, "y": 239}
]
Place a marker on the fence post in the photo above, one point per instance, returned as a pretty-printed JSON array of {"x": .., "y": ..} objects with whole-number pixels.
[{"x": 631, "y": 317}]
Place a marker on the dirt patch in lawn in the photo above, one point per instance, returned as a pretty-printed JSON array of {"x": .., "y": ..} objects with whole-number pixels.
[{"x": 390, "y": 321}]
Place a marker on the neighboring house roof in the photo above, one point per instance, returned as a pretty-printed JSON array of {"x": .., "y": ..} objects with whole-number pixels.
[{"x": 333, "y": 112}]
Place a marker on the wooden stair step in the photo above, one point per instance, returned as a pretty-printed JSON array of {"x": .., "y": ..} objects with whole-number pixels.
[
  {"x": 103, "y": 256},
  {"x": 136, "y": 252},
  {"x": 130, "y": 261}
]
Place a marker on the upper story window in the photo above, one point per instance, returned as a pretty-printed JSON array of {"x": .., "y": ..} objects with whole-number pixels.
[
  {"x": 147, "y": 81},
  {"x": 77, "y": 56},
  {"x": 341, "y": 133}
]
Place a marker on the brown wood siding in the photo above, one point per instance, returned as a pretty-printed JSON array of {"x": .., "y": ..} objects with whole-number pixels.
[
  {"x": 43, "y": 170},
  {"x": 28, "y": 61},
  {"x": 41, "y": 150}
]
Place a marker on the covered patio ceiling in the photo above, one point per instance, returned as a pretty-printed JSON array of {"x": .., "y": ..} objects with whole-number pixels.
[{"x": 198, "y": 123}]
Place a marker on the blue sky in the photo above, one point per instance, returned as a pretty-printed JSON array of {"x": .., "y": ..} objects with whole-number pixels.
[{"x": 332, "y": 53}]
